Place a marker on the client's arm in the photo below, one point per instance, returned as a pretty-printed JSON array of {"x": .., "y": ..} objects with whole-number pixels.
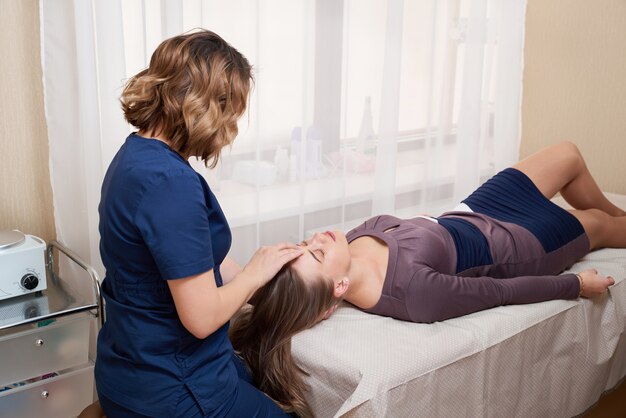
[{"x": 433, "y": 296}]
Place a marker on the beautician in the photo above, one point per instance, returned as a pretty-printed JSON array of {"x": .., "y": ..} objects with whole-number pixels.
[{"x": 169, "y": 288}]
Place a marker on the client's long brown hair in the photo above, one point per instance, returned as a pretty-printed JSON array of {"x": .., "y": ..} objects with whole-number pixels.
[{"x": 261, "y": 334}]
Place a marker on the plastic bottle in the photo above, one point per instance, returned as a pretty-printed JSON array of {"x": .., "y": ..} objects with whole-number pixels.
[
  {"x": 293, "y": 168},
  {"x": 281, "y": 160},
  {"x": 314, "y": 153},
  {"x": 365, "y": 140}
]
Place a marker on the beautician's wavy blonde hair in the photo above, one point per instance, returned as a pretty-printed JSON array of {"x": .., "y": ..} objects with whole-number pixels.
[
  {"x": 193, "y": 92},
  {"x": 261, "y": 334}
]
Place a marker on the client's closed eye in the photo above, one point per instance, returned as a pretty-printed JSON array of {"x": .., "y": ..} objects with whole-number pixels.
[
  {"x": 319, "y": 251},
  {"x": 319, "y": 255}
]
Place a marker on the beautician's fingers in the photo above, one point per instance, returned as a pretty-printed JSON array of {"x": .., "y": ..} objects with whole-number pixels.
[
  {"x": 286, "y": 245},
  {"x": 268, "y": 260},
  {"x": 288, "y": 251},
  {"x": 595, "y": 284}
]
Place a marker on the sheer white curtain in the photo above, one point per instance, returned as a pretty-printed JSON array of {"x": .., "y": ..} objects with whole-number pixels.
[{"x": 360, "y": 107}]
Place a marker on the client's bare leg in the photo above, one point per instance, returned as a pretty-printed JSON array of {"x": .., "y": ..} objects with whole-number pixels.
[
  {"x": 602, "y": 229},
  {"x": 561, "y": 168}
]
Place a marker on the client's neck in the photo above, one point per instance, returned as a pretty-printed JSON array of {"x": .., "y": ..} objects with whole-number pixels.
[{"x": 365, "y": 282}]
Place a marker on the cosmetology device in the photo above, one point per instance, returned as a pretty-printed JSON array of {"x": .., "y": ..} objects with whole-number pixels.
[{"x": 22, "y": 264}]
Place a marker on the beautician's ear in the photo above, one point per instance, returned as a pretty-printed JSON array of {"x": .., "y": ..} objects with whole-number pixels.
[{"x": 341, "y": 287}]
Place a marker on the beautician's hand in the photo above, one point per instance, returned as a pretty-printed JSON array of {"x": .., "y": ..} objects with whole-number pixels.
[
  {"x": 267, "y": 261},
  {"x": 594, "y": 284}
]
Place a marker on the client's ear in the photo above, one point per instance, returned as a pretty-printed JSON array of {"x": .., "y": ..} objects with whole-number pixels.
[{"x": 341, "y": 287}]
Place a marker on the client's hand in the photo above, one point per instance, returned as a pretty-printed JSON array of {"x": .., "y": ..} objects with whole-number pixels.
[
  {"x": 267, "y": 261},
  {"x": 594, "y": 284}
]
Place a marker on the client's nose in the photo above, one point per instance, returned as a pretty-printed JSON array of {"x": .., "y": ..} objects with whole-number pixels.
[{"x": 317, "y": 238}]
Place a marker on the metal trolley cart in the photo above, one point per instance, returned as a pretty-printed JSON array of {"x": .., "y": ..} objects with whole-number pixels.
[{"x": 47, "y": 341}]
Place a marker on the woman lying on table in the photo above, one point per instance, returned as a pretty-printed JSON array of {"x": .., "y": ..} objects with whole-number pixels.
[{"x": 505, "y": 244}]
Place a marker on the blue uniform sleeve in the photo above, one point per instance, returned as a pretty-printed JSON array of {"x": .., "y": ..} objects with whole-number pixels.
[
  {"x": 433, "y": 296},
  {"x": 173, "y": 221}
]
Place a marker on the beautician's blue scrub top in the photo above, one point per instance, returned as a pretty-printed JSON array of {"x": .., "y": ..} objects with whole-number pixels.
[{"x": 158, "y": 221}]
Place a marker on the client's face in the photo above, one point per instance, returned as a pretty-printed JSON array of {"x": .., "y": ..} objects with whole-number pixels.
[{"x": 326, "y": 257}]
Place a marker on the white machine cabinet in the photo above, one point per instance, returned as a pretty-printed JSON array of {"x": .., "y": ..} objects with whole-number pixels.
[{"x": 47, "y": 341}]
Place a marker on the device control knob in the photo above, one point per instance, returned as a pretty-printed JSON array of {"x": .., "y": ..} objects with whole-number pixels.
[{"x": 29, "y": 281}]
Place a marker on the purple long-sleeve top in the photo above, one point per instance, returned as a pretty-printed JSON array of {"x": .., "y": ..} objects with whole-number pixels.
[{"x": 421, "y": 282}]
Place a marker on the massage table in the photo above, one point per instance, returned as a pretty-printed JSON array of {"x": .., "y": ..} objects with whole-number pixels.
[{"x": 552, "y": 358}]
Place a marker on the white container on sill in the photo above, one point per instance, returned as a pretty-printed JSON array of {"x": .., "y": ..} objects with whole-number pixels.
[{"x": 255, "y": 173}]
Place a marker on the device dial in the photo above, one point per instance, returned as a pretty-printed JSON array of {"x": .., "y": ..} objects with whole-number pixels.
[{"x": 29, "y": 281}]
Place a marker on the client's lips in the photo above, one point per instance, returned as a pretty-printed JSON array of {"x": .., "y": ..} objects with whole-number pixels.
[{"x": 330, "y": 234}]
